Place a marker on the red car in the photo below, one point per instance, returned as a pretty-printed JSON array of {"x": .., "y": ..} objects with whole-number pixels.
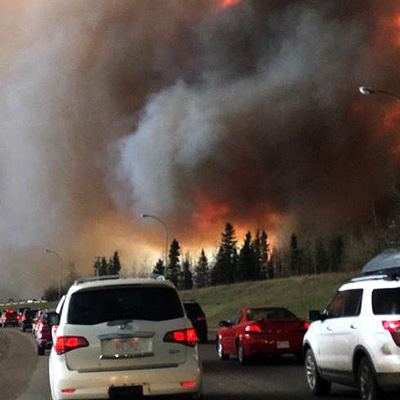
[
  {"x": 45, "y": 330},
  {"x": 261, "y": 331}
]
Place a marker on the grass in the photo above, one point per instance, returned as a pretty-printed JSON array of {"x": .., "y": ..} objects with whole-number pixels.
[{"x": 299, "y": 294}]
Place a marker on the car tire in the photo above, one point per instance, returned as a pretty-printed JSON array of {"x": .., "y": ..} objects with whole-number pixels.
[
  {"x": 242, "y": 357},
  {"x": 220, "y": 351},
  {"x": 40, "y": 350},
  {"x": 317, "y": 385},
  {"x": 366, "y": 381}
]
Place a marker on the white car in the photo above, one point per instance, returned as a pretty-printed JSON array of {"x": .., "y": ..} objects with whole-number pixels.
[
  {"x": 124, "y": 338},
  {"x": 356, "y": 339}
]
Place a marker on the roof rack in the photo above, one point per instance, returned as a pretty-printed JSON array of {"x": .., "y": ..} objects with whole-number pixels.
[
  {"x": 96, "y": 278},
  {"x": 388, "y": 276}
]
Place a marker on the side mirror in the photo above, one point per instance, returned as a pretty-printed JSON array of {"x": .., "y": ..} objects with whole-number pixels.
[
  {"x": 315, "y": 315},
  {"x": 224, "y": 323}
]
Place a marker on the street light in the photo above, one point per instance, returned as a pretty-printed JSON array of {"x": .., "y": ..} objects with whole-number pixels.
[
  {"x": 366, "y": 90},
  {"x": 165, "y": 233},
  {"x": 60, "y": 275}
]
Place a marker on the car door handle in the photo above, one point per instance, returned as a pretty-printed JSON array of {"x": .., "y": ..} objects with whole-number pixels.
[
  {"x": 353, "y": 326},
  {"x": 329, "y": 328}
]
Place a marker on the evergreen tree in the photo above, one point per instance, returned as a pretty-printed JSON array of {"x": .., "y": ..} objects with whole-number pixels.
[
  {"x": 202, "y": 272},
  {"x": 337, "y": 251},
  {"x": 187, "y": 276},
  {"x": 294, "y": 255},
  {"x": 114, "y": 267},
  {"x": 265, "y": 271},
  {"x": 103, "y": 267},
  {"x": 247, "y": 259},
  {"x": 224, "y": 270},
  {"x": 321, "y": 256},
  {"x": 173, "y": 269},
  {"x": 97, "y": 266},
  {"x": 159, "y": 268}
]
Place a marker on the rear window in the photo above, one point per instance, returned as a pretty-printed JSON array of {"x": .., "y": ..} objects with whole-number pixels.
[
  {"x": 193, "y": 309},
  {"x": 386, "y": 301},
  {"x": 95, "y": 306},
  {"x": 30, "y": 313},
  {"x": 269, "y": 314}
]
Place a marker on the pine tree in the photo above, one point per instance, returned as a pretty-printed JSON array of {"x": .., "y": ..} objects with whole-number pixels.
[
  {"x": 97, "y": 266},
  {"x": 294, "y": 255},
  {"x": 114, "y": 267},
  {"x": 224, "y": 270},
  {"x": 173, "y": 269},
  {"x": 245, "y": 269},
  {"x": 103, "y": 267},
  {"x": 159, "y": 268},
  {"x": 187, "y": 276},
  {"x": 265, "y": 268},
  {"x": 337, "y": 251},
  {"x": 321, "y": 256},
  {"x": 202, "y": 272}
]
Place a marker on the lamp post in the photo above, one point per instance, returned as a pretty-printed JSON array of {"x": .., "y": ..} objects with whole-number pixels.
[
  {"x": 60, "y": 274},
  {"x": 165, "y": 233},
  {"x": 366, "y": 90}
]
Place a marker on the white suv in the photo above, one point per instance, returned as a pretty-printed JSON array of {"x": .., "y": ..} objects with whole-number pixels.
[
  {"x": 122, "y": 338},
  {"x": 356, "y": 339}
]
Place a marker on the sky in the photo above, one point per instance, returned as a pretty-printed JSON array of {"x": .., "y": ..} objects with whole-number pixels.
[{"x": 199, "y": 112}]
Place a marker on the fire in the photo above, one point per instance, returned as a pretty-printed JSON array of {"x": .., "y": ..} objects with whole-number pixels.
[
  {"x": 229, "y": 3},
  {"x": 208, "y": 212}
]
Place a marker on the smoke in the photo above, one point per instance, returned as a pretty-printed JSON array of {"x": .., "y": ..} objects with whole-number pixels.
[{"x": 190, "y": 110}]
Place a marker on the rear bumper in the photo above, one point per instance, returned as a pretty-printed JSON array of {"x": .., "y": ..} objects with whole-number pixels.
[
  {"x": 95, "y": 385},
  {"x": 264, "y": 345}
]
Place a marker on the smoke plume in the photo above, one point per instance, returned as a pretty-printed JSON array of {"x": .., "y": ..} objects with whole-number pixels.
[{"x": 197, "y": 111}]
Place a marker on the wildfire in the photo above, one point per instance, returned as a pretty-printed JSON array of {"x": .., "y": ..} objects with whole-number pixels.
[
  {"x": 208, "y": 212},
  {"x": 229, "y": 3}
]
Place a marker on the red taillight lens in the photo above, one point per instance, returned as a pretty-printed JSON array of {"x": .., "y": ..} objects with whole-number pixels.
[
  {"x": 183, "y": 336},
  {"x": 23, "y": 318},
  {"x": 252, "y": 329},
  {"x": 394, "y": 328},
  {"x": 5, "y": 319},
  {"x": 67, "y": 343}
]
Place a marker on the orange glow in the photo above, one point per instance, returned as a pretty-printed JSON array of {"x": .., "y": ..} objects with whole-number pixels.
[
  {"x": 392, "y": 117},
  {"x": 208, "y": 211},
  {"x": 229, "y": 3},
  {"x": 397, "y": 23}
]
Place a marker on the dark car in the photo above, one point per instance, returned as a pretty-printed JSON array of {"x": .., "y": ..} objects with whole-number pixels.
[
  {"x": 25, "y": 321},
  {"x": 257, "y": 331},
  {"x": 198, "y": 319},
  {"x": 43, "y": 331},
  {"x": 9, "y": 317}
]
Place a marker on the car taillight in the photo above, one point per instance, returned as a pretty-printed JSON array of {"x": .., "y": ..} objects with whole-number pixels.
[
  {"x": 23, "y": 318},
  {"x": 18, "y": 317},
  {"x": 252, "y": 329},
  {"x": 183, "y": 336},
  {"x": 394, "y": 328},
  {"x": 67, "y": 343},
  {"x": 5, "y": 319},
  {"x": 201, "y": 318}
]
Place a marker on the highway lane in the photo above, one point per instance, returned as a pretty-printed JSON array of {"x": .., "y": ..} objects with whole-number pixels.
[{"x": 281, "y": 379}]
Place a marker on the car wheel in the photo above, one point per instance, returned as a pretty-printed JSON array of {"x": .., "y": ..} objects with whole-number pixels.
[
  {"x": 367, "y": 385},
  {"x": 242, "y": 357},
  {"x": 40, "y": 350},
  {"x": 220, "y": 351},
  {"x": 317, "y": 385}
]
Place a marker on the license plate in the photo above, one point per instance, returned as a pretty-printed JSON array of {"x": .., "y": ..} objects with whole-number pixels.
[
  {"x": 126, "y": 348},
  {"x": 283, "y": 344}
]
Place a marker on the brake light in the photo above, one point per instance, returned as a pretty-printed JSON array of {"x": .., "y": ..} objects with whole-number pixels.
[
  {"x": 394, "y": 328},
  {"x": 23, "y": 318},
  {"x": 252, "y": 329},
  {"x": 67, "y": 343},
  {"x": 183, "y": 336},
  {"x": 188, "y": 384},
  {"x": 68, "y": 391},
  {"x": 18, "y": 317},
  {"x": 5, "y": 319}
]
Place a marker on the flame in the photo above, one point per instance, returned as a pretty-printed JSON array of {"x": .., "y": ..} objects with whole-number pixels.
[
  {"x": 208, "y": 212},
  {"x": 229, "y": 3}
]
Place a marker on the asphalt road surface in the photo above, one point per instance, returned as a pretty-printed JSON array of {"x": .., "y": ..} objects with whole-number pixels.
[{"x": 23, "y": 375}]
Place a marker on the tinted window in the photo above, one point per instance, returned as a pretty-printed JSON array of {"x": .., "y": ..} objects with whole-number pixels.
[
  {"x": 386, "y": 301},
  {"x": 346, "y": 303},
  {"x": 269, "y": 314},
  {"x": 193, "y": 310},
  {"x": 89, "y": 307}
]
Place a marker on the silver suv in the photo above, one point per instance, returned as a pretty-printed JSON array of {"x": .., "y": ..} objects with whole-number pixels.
[
  {"x": 122, "y": 338},
  {"x": 356, "y": 339}
]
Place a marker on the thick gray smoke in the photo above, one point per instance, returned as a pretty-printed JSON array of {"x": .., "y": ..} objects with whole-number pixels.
[{"x": 189, "y": 111}]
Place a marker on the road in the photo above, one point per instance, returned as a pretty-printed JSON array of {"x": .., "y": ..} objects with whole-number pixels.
[{"x": 281, "y": 379}]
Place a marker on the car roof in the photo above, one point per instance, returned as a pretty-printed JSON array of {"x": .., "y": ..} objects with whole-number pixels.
[{"x": 92, "y": 282}]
